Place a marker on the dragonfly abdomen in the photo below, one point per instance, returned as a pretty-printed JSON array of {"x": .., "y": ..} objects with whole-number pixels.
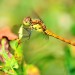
[{"x": 58, "y": 37}]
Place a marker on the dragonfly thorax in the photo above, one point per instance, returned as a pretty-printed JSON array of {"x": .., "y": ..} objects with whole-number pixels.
[{"x": 38, "y": 25}]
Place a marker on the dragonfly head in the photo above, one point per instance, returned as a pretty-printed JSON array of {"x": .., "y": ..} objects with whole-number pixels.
[{"x": 27, "y": 21}]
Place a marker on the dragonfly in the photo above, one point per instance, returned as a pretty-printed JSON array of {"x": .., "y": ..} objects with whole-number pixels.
[{"x": 38, "y": 25}]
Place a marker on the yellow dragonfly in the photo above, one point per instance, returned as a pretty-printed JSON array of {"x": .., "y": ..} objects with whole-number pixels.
[{"x": 39, "y": 26}]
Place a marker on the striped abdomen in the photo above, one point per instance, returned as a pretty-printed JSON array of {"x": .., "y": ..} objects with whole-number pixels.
[{"x": 58, "y": 37}]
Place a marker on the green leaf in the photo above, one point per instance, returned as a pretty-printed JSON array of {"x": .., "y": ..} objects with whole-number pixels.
[
  {"x": 10, "y": 61},
  {"x": 14, "y": 44},
  {"x": 73, "y": 29},
  {"x": 70, "y": 61}
]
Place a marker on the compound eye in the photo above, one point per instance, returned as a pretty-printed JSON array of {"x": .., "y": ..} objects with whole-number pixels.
[{"x": 28, "y": 19}]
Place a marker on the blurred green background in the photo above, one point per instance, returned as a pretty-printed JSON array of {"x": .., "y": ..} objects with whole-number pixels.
[{"x": 59, "y": 17}]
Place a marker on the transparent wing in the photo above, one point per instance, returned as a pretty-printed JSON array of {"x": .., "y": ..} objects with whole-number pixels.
[
  {"x": 38, "y": 17},
  {"x": 46, "y": 36},
  {"x": 24, "y": 32}
]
